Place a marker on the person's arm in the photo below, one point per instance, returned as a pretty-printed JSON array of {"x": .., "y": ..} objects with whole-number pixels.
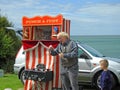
[
  {"x": 55, "y": 51},
  {"x": 73, "y": 53}
]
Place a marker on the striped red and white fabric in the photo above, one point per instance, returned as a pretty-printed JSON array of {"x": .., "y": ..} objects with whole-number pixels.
[
  {"x": 66, "y": 26},
  {"x": 36, "y": 53}
]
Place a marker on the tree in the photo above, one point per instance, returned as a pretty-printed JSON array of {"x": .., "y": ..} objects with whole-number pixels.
[{"x": 9, "y": 45}]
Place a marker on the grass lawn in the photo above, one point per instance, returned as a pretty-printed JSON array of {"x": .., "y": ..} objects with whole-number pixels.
[{"x": 10, "y": 81}]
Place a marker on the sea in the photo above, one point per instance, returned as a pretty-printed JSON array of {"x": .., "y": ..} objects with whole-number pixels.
[{"x": 108, "y": 45}]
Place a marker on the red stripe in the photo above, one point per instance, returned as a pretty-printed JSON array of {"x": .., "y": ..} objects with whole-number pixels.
[
  {"x": 66, "y": 26},
  {"x": 27, "y": 63},
  {"x": 57, "y": 71},
  {"x": 30, "y": 85},
  {"x": 32, "y": 33},
  {"x": 39, "y": 54},
  {"x": 29, "y": 33},
  {"x": 46, "y": 87},
  {"x": 33, "y": 59},
  {"x": 33, "y": 66},
  {"x": 53, "y": 70},
  {"x": 36, "y": 85},
  {"x": 69, "y": 27},
  {"x": 63, "y": 25},
  {"x": 26, "y": 85}
]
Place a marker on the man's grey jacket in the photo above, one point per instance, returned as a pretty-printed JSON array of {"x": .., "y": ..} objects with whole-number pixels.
[{"x": 70, "y": 51}]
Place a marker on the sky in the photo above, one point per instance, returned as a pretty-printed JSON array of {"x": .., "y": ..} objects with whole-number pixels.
[{"x": 88, "y": 17}]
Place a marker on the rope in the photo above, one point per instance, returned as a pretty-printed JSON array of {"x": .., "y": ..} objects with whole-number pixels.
[{"x": 44, "y": 45}]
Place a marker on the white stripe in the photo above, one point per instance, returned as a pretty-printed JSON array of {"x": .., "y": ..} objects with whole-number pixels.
[
  {"x": 33, "y": 85},
  {"x": 30, "y": 67},
  {"x": 40, "y": 86},
  {"x": 50, "y": 85},
  {"x": 43, "y": 85},
  {"x": 30, "y": 61},
  {"x": 36, "y": 56},
  {"x": 28, "y": 88},
  {"x": 42, "y": 55},
  {"x": 47, "y": 60},
  {"x": 51, "y": 64}
]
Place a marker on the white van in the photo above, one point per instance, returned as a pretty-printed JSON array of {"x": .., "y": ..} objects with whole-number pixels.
[{"x": 19, "y": 65}]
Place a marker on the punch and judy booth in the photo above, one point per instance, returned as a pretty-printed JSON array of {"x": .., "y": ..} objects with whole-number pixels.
[{"x": 42, "y": 71}]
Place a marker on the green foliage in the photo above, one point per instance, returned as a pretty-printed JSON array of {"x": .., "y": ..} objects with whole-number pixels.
[
  {"x": 9, "y": 45},
  {"x": 4, "y": 22},
  {"x": 6, "y": 43}
]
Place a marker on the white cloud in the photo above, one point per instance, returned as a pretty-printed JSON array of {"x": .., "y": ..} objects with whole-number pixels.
[
  {"x": 98, "y": 13},
  {"x": 100, "y": 9},
  {"x": 16, "y": 9},
  {"x": 86, "y": 15}
]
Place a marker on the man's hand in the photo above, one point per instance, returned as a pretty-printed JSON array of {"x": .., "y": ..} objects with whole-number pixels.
[
  {"x": 51, "y": 48},
  {"x": 61, "y": 55}
]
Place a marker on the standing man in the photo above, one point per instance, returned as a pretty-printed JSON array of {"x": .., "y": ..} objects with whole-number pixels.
[{"x": 68, "y": 52}]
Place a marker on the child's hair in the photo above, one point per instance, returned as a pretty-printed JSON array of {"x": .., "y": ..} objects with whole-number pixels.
[{"x": 105, "y": 62}]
